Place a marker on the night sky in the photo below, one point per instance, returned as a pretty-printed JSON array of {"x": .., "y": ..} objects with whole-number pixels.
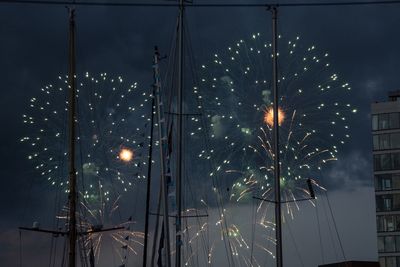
[{"x": 363, "y": 44}]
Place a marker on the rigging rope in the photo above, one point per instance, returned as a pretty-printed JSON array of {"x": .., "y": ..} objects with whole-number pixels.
[
  {"x": 206, "y": 5},
  {"x": 215, "y": 178},
  {"x": 335, "y": 226},
  {"x": 319, "y": 234},
  {"x": 253, "y": 229},
  {"x": 295, "y": 244}
]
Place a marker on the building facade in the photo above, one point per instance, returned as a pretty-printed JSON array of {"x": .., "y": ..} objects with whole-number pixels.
[{"x": 386, "y": 159}]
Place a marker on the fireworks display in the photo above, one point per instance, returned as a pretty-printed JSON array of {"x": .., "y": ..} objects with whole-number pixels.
[
  {"x": 234, "y": 96},
  {"x": 236, "y": 89},
  {"x": 112, "y": 119}
]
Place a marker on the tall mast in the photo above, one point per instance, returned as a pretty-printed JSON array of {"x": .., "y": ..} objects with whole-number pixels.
[
  {"x": 178, "y": 241},
  {"x": 278, "y": 218},
  {"x": 149, "y": 166},
  {"x": 72, "y": 233},
  {"x": 162, "y": 141}
]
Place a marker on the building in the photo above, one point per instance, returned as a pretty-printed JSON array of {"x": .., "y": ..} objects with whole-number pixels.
[
  {"x": 386, "y": 157},
  {"x": 352, "y": 264}
]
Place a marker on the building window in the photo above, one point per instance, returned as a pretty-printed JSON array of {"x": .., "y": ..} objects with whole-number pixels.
[
  {"x": 395, "y": 161},
  {"x": 383, "y": 182},
  {"x": 384, "y": 203},
  {"x": 388, "y": 202},
  {"x": 390, "y": 245},
  {"x": 380, "y": 227},
  {"x": 375, "y": 122},
  {"x": 386, "y": 121},
  {"x": 391, "y": 262},
  {"x": 383, "y": 162},
  {"x": 387, "y": 161},
  {"x": 381, "y": 244},
  {"x": 383, "y": 121},
  {"x": 386, "y": 141},
  {"x": 395, "y": 181},
  {"x": 386, "y": 223},
  {"x": 382, "y": 261},
  {"x": 395, "y": 140},
  {"x": 394, "y": 120},
  {"x": 375, "y": 141}
]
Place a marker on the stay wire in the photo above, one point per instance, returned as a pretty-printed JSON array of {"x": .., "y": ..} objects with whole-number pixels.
[
  {"x": 63, "y": 259},
  {"x": 205, "y": 241},
  {"x": 82, "y": 211},
  {"x": 215, "y": 180},
  {"x": 295, "y": 243},
  {"x": 321, "y": 245},
  {"x": 335, "y": 226},
  {"x": 170, "y": 73},
  {"x": 61, "y": 160},
  {"x": 220, "y": 205},
  {"x": 253, "y": 229},
  {"x": 331, "y": 233},
  {"x": 196, "y": 209},
  {"x": 205, "y": 5}
]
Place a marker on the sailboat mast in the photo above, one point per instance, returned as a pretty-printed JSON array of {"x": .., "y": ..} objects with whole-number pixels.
[
  {"x": 149, "y": 173},
  {"x": 72, "y": 233},
  {"x": 278, "y": 217},
  {"x": 162, "y": 141},
  {"x": 178, "y": 241}
]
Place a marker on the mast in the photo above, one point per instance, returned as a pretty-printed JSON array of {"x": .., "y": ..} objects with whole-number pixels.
[
  {"x": 72, "y": 233},
  {"x": 178, "y": 230},
  {"x": 162, "y": 142},
  {"x": 278, "y": 218},
  {"x": 148, "y": 190}
]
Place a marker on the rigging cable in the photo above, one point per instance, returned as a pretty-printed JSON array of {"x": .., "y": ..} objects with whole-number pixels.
[
  {"x": 295, "y": 244},
  {"x": 331, "y": 233},
  {"x": 205, "y": 240},
  {"x": 197, "y": 216},
  {"x": 253, "y": 229},
  {"x": 215, "y": 179},
  {"x": 335, "y": 226},
  {"x": 82, "y": 214},
  {"x": 57, "y": 201},
  {"x": 206, "y": 5},
  {"x": 319, "y": 234}
]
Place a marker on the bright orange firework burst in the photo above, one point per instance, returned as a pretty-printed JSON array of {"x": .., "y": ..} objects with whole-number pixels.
[
  {"x": 269, "y": 116},
  {"x": 126, "y": 154}
]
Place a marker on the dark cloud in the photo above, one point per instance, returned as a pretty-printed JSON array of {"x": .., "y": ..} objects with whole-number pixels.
[{"x": 351, "y": 171}]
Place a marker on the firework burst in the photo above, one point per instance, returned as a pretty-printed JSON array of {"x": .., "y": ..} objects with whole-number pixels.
[
  {"x": 111, "y": 122},
  {"x": 236, "y": 88}
]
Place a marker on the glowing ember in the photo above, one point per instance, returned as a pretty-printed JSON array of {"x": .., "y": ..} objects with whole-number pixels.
[
  {"x": 126, "y": 154},
  {"x": 269, "y": 116}
]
